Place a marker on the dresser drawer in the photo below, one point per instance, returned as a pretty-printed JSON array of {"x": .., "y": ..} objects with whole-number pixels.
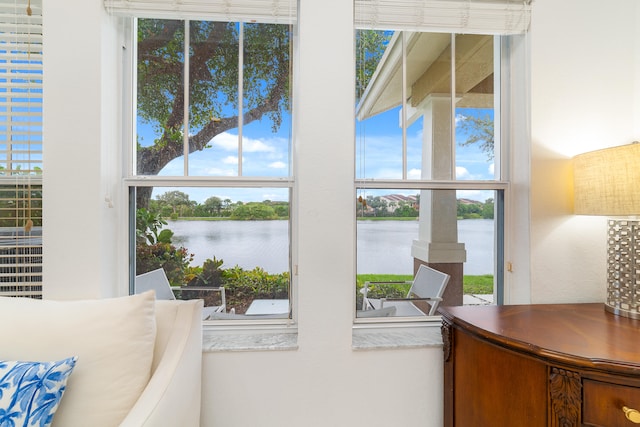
[{"x": 602, "y": 404}]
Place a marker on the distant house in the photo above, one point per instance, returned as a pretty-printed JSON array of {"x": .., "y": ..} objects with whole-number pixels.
[
  {"x": 469, "y": 202},
  {"x": 394, "y": 201}
]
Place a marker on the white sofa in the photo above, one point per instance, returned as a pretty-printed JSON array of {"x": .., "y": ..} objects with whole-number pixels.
[{"x": 139, "y": 360}]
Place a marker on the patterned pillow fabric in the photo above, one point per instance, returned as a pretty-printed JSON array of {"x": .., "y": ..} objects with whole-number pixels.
[{"x": 30, "y": 392}]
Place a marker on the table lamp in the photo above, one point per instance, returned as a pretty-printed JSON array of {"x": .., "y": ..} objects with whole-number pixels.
[{"x": 607, "y": 182}]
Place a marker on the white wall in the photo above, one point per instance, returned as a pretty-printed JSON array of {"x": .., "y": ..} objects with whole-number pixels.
[
  {"x": 584, "y": 96},
  {"x": 80, "y": 109}
]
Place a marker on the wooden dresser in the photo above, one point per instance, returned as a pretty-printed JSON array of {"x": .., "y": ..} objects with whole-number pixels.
[{"x": 540, "y": 365}]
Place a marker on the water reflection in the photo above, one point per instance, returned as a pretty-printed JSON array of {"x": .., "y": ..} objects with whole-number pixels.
[{"x": 383, "y": 246}]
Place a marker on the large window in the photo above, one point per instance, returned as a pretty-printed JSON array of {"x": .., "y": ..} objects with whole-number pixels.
[
  {"x": 21, "y": 149},
  {"x": 430, "y": 166},
  {"x": 211, "y": 171}
]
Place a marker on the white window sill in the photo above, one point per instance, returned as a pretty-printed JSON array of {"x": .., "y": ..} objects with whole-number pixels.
[
  {"x": 244, "y": 338},
  {"x": 285, "y": 338},
  {"x": 396, "y": 336}
]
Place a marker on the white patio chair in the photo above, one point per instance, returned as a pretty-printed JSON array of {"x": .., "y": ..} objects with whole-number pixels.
[
  {"x": 428, "y": 285},
  {"x": 157, "y": 281}
]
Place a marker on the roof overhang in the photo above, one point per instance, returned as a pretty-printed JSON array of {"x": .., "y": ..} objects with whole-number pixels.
[{"x": 428, "y": 71}]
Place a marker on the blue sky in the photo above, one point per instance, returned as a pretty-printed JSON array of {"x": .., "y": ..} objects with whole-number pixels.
[{"x": 265, "y": 154}]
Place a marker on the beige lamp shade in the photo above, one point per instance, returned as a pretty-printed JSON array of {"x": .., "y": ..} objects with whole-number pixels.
[{"x": 607, "y": 182}]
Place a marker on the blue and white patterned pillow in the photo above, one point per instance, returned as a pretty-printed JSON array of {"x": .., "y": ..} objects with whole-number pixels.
[{"x": 30, "y": 392}]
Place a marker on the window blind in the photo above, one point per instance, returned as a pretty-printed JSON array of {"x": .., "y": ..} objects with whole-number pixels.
[
  {"x": 262, "y": 11},
  {"x": 497, "y": 17},
  {"x": 21, "y": 148},
  {"x": 20, "y": 88}
]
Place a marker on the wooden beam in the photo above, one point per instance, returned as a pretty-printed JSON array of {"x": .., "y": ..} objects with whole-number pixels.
[{"x": 474, "y": 64}]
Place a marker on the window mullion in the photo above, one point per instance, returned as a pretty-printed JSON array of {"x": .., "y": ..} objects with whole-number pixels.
[
  {"x": 185, "y": 134},
  {"x": 452, "y": 120},
  {"x": 240, "y": 94},
  {"x": 404, "y": 105}
]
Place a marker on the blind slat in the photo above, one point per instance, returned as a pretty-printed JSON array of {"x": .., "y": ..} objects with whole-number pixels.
[
  {"x": 498, "y": 17},
  {"x": 263, "y": 11},
  {"x": 462, "y": 16}
]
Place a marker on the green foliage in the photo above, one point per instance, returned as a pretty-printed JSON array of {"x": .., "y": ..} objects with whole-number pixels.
[
  {"x": 176, "y": 205},
  {"x": 406, "y": 210},
  {"x": 241, "y": 287},
  {"x": 165, "y": 236},
  {"x": 172, "y": 260},
  {"x": 254, "y": 211},
  {"x": 281, "y": 209},
  {"x": 210, "y": 274},
  {"x": 488, "y": 209},
  {"x": 480, "y": 132},
  {"x": 481, "y": 285},
  {"x": 390, "y": 286},
  {"x": 212, "y": 206},
  {"x": 154, "y": 249},
  {"x": 148, "y": 225},
  {"x": 370, "y": 46},
  {"x": 475, "y": 210}
]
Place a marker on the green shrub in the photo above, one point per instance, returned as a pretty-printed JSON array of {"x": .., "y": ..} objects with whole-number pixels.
[
  {"x": 242, "y": 287},
  {"x": 173, "y": 260},
  {"x": 154, "y": 249},
  {"x": 210, "y": 274}
]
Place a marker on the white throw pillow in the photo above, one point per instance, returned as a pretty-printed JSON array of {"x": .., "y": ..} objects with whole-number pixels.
[{"x": 112, "y": 338}]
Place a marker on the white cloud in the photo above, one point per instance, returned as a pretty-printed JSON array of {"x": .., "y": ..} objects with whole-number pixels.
[
  {"x": 226, "y": 141},
  {"x": 477, "y": 195},
  {"x": 254, "y": 146},
  {"x": 462, "y": 173},
  {"x": 230, "y": 160},
  {"x": 275, "y": 197},
  {"x": 278, "y": 165},
  {"x": 229, "y": 142},
  {"x": 414, "y": 174},
  {"x": 218, "y": 172},
  {"x": 492, "y": 169}
]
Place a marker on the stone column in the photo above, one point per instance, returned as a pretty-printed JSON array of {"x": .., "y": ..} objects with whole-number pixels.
[{"x": 437, "y": 245}]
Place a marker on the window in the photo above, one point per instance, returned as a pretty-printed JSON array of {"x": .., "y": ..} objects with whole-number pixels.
[
  {"x": 211, "y": 171},
  {"x": 431, "y": 152},
  {"x": 21, "y": 149}
]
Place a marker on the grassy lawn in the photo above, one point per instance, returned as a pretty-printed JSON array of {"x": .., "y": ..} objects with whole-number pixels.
[{"x": 482, "y": 284}]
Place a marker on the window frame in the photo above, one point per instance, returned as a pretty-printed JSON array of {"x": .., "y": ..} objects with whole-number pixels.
[
  {"x": 501, "y": 185},
  {"x": 131, "y": 180}
]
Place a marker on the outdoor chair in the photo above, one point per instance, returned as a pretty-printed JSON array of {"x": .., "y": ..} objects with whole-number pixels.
[
  {"x": 157, "y": 281},
  {"x": 428, "y": 285}
]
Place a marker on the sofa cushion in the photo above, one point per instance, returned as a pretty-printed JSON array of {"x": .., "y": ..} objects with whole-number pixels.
[
  {"x": 30, "y": 392},
  {"x": 113, "y": 339}
]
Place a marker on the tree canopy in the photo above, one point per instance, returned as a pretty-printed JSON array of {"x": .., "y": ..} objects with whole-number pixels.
[
  {"x": 213, "y": 84},
  {"x": 480, "y": 132}
]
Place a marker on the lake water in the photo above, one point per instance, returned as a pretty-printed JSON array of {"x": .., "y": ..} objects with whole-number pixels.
[{"x": 383, "y": 246}]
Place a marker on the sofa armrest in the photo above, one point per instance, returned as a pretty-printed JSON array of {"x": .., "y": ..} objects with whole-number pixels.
[{"x": 173, "y": 394}]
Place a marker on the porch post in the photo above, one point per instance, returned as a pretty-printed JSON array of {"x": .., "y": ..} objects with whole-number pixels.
[{"x": 437, "y": 244}]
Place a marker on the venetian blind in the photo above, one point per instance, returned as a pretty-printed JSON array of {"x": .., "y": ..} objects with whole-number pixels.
[
  {"x": 498, "y": 17},
  {"x": 21, "y": 77},
  {"x": 262, "y": 11}
]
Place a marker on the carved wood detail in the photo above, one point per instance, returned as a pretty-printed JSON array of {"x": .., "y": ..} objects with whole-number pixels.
[
  {"x": 445, "y": 329},
  {"x": 565, "y": 392}
]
